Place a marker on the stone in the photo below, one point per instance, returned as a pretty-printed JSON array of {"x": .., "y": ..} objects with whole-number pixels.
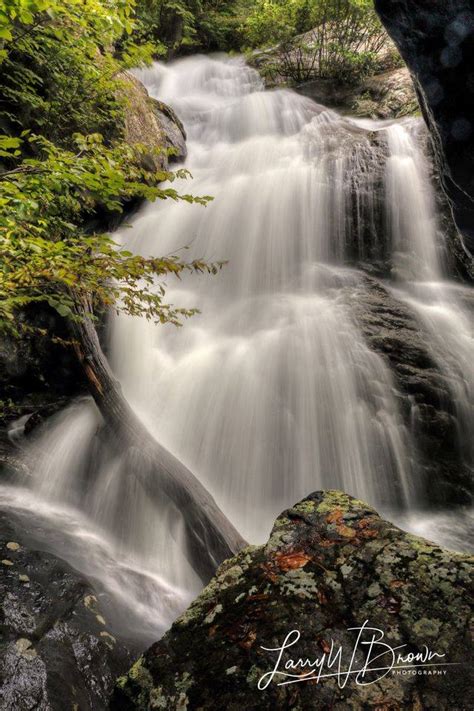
[
  {"x": 220, "y": 653},
  {"x": 388, "y": 94},
  {"x": 425, "y": 398},
  {"x": 382, "y": 95},
  {"x": 436, "y": 40},
  {"x": 55, "y": 653},
  {"x": 153, "y": 124}
]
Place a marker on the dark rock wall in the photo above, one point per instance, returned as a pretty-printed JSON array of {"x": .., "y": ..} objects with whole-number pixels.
[
  {"x": 38, "y": 373},
  {"x": 436, "y": 40}
]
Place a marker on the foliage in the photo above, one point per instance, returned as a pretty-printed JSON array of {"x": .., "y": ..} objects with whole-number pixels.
[
  {"x": 191, "y": 25},
  {"x": 57, "y": 66},
  {"x": 337, "y": 39},
  {"x": 46, "y": 256},
  {"x": 63, "y": 162}
]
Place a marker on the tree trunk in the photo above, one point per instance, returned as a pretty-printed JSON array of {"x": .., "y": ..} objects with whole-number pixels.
[{"x": 210, "y": 535}]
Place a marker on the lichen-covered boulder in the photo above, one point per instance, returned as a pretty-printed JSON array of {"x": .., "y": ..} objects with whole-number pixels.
[
  {"x": 387, "y": 94},
  {"x": 333, "y": 576},
  {"x": 56, "y": 648}
]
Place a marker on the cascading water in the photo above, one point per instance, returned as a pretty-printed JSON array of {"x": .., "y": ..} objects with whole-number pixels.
[
  {"x": 271, "y": 391},
  {"x": 442, "y": 307},
  {"x": 439, "y": 304}
]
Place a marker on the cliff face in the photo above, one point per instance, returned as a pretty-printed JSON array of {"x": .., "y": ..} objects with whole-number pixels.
[
  {"x": 423, "y": 391},
  {"x": 331, "y": 564},
  {"x": 436, "y": 40}
]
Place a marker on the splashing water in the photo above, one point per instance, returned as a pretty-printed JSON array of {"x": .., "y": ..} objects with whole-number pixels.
[{"x": 270, "y": 392}]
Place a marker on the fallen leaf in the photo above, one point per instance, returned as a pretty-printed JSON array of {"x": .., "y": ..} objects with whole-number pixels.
[
  {"x": 291, "y": 561},
  {"x": 325, "y": 646}
]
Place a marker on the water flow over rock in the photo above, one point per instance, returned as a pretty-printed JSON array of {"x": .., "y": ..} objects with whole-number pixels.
[
  {"x": 271, "y": 388},
  {"x": 272, "y": 391}
]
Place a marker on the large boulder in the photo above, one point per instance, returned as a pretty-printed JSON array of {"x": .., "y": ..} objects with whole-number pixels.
[
  {"x": 382, "y": 95},
  {"x": 152, "y": 124},
  {"x": 38, "y": 371},
  {"x": 331, "y": 570},
  {"x": 56, "y": 649},
  {"x": 436, "y": 40}
]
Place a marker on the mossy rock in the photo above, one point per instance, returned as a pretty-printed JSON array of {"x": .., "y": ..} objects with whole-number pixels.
[{"x": 331, "y": 564}]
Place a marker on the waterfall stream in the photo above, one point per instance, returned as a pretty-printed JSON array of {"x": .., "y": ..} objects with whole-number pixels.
[{"x": 271, "y": 391}]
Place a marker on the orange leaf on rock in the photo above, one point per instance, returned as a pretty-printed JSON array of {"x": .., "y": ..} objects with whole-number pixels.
[
  {"x": 291, "y": 561},
  {"x": 249, "y": 640},
  {"x": 325, "y": 646},
  {"x": 369, "y": 533}
]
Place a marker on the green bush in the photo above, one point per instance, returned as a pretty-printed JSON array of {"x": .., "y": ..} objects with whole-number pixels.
[{"x": 337, "y": 39}]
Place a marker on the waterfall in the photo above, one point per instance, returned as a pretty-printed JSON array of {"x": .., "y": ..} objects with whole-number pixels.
[
  {"x": 271, "y": 391},
  {"x": 441, "y": 305}
]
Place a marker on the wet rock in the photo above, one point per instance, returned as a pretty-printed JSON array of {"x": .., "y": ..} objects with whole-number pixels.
[
  {"x": 331, "y": 564},
  {"x": 38, "y": 371},
  {"x": 153, "y": 124},
  {"x": 424, "y": 393},
  {"x": 436, "y": 40},
  {"x": 172, "y": 131},
  {"x": 56, "y": 651},
  {"x": 389, "y": 94}
]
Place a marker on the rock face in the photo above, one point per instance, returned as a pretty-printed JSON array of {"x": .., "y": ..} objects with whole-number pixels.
[
  {"x": 387, "y": 94},
  {"x": 152, "y": 124},
  {"x": 436, "y": 40},
  {"x": 425, "y": 393},
  {"x": 330, "y": 564},
  {"x": 55, "y": 650},
  {"x": 37, "y": 374}
]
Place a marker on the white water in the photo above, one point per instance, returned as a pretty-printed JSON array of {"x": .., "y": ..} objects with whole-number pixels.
[
  {"x": 271, "y": 392},
  {"x": 443, "y": 308}
]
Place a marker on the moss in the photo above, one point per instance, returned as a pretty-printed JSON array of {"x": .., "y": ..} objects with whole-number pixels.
[
  {"x": 427, "y": 627},
  {"x": 140, "y": 674}
]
